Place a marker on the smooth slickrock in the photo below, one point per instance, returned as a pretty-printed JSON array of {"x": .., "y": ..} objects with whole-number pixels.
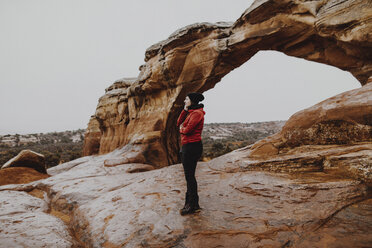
[
  {"x": 108, "y": 207},
  {"x": 338, "y": 228},
  {"x": 27, "y": 158},
  {"x": 142, "y": 112},
  {"x": 15, "y": 202},
  {"x": 24, "y": 222}
]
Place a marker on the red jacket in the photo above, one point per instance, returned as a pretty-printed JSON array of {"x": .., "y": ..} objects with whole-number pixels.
[{"x": 192, "y": 125}]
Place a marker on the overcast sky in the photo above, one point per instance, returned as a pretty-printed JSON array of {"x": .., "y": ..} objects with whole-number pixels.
[{"x": 57, "y": 57}]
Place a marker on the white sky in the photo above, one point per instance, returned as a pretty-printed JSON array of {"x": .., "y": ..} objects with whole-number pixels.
[{"x": 57, "y": 57}]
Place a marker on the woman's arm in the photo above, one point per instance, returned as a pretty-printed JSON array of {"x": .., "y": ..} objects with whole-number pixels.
[
  {"x": 195, "y": 118},
  {"x": 182, "y": 117}
]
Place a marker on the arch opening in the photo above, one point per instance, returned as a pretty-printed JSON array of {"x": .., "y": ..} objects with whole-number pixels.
[
  {"x": 277, "y": 87},
  {"x": 273, "y": 86}
]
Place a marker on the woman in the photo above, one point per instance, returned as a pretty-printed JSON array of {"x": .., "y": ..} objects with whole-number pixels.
[{"x": 190, "y": 123}]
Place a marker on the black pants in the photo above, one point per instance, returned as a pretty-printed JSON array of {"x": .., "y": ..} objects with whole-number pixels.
[{"x": 190, "y": 154}]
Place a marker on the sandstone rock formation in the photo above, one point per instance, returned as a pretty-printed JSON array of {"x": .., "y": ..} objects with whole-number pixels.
[
  {"x": 27, "y": 158},
  {"x": 289, "y": 190},
  {"x": 103, "y": 206},
  {"x": 112, "y": 109},
  {"x": 141, "y": 113}
]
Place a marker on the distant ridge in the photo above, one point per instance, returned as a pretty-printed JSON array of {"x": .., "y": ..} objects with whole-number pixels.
[{"x": 59, "y": 147}]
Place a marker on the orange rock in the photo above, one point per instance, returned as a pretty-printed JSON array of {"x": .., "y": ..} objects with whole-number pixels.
[{"x": 18, "y": 175}]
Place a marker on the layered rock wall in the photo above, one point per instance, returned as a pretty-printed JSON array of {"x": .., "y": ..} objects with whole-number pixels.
[{"x": 142, "y": 114}]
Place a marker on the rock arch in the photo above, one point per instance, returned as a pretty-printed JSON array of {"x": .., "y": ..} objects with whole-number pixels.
[{"x": 139, "y": 114}]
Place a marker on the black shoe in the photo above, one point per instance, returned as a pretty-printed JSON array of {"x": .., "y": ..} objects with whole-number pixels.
[
  {"x": 197, "y": 207},
  {"x": 187, "y": 200},
  {"x": 184, "y": 207},
  {"x": 189, "y": 210}
]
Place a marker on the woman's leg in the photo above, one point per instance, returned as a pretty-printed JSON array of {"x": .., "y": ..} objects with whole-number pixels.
[
  {"x": 190, "y": 155},
  {"x": 189, "y": 170}
]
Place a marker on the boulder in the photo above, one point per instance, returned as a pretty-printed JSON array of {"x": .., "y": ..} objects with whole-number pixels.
[
  {"x": 27, "y": 158},
  {"x": 335, "y": 133}
]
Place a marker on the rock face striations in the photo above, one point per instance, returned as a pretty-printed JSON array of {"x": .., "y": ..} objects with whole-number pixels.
[
  {"x": 107, "y": 127},
  {"x": 140, "y": 113}
]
